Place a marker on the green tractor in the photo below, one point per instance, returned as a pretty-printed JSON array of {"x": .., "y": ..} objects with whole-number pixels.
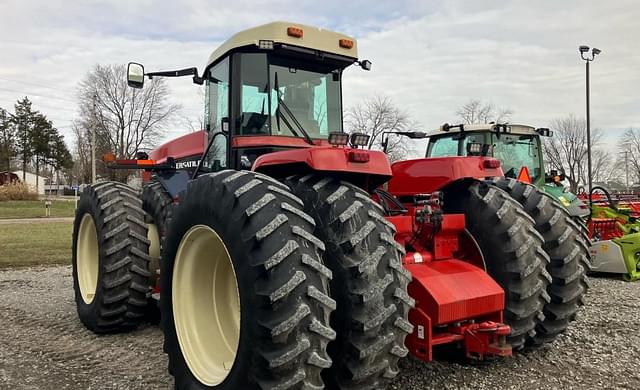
[{"x": 519, "y": 149}]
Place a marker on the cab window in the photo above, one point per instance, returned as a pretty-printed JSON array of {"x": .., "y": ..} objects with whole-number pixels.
[{"x": 217, "y": 114}]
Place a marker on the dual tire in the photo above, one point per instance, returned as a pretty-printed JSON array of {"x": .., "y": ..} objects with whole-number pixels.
[
  {"x": 322, "y": 293},
  {"x": 512, "y": 251},
  {"x": 534, "y": 250},
  {"x": 568, "y": 250}
]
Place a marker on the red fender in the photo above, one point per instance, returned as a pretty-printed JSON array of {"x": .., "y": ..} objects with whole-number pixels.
[
  {"x": 426, "y": 175},
  {"x": 192, "y": 144},
  {"x": 371, "y": 164}
]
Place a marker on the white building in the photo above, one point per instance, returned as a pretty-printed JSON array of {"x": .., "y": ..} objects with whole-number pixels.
[{"x": 30, "y": 180}]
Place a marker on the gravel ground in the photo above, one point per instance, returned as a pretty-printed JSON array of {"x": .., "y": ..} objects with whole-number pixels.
[{"x": 44, "y": 346}]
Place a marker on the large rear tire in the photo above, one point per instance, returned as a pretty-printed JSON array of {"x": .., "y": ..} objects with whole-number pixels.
[
  {"x": 513, "y": 254},
  {"x": 110, "y": 260},
  {"x": 266, "y": 325},
  {"x": 569, "y": 254},
  {"x": 369, "y": 283}
]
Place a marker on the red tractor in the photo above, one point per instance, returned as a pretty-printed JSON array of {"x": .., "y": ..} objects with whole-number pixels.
[
  {"x": 277, "y": 260},
  {"x": 529, "y": 230}
]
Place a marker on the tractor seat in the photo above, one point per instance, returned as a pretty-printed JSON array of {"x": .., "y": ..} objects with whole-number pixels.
[{"x": 254, "y": 123}]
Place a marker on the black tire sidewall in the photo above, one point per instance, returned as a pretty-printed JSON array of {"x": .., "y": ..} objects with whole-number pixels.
[{"x": 88, "y": 313}]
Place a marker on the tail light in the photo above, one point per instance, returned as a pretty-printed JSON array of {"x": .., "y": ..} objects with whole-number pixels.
[
  {"x": 358, "y": 156},
  {"x": 491, "y": 163}
]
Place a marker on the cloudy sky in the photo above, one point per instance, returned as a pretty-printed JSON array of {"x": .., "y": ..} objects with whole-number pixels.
[{"x": 429, "y": 56}]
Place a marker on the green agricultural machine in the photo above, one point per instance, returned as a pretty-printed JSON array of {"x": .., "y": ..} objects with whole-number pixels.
[{"x": 614, "y": 227}]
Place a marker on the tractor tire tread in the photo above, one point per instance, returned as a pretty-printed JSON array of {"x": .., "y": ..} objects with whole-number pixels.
[
  {"x": 512, "y": 253},
  {"x": 567, "y": 247},
  {"x": 369, "y": 285}
]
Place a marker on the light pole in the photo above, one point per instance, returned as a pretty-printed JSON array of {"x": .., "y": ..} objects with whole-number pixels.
[{"x": 594, "y": 52}]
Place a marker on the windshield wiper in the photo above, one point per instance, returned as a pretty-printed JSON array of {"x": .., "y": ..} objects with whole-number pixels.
[{"x": 281, "y": 103}]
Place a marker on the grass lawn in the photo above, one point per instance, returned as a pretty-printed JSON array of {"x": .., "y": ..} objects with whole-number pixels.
[
  {"x": 23, "y": 244},
  {"x": 35, "y": 209}
]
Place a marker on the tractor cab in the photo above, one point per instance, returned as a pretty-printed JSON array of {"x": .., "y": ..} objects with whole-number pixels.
[
  {"x": 518, "y": 147},
  {"x": 271, "y": 88}
]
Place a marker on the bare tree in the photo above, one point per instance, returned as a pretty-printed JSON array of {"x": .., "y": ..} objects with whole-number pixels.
[
  {"x": 82, "y": 151},
  {"x": 126, "y": 118},
  {"x": 477, "y": 111},
  {"x": 566, "y": 151},
  {"x": 377, "y": 115},
  {"x": 630, "y": 144},
  {"x": 191, "y": 123},
  {"x": 604, "y": 167}
]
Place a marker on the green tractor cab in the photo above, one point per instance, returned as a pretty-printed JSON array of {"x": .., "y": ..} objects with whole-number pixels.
[{"x": 519, "y": 149}]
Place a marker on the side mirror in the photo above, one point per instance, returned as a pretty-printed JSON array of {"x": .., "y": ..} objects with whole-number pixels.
[
  {"x": 545, "y": 132},
  {"x": 135, "y": 75},
  {"x": 224, "y": 124},
  {"x": 365, "y": 64}
]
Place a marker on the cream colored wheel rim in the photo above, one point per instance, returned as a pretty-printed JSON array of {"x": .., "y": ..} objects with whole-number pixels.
[
  {"x": 154, "y": 240},
  {"x": 87, "y": 258},
  {"x": 206, "y": 305}
]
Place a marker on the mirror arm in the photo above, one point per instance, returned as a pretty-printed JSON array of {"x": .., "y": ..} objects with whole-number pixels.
[{"x": 178, "y": 73}]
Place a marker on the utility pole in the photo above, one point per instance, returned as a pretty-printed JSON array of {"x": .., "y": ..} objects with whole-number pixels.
[{"x": 93, "y": 141}]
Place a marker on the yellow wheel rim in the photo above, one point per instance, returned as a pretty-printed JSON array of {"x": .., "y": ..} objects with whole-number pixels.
[
  {"x": 206, "y": 305},
  {"x": 87, "y": 258}
]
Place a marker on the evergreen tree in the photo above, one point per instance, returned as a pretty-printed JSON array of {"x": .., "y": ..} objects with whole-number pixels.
[
  {"x": 23, "y": 120},
  {"x": 7, "y": 140}
]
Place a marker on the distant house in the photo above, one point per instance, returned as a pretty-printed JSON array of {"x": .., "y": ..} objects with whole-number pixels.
[
  {"x": 7, "y": 177},
  {"x": 30, "y": 180}
]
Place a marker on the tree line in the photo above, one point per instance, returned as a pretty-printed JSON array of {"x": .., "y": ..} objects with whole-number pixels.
[{"x": 29, "y": 140}]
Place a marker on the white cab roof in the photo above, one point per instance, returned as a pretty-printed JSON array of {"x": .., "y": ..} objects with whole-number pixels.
[
  {"x": 312, "y": 38},
  {"x": 515, "y": 129}
]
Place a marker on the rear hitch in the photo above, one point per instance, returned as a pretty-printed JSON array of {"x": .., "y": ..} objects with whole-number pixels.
[{"x": 485, "y": 340}]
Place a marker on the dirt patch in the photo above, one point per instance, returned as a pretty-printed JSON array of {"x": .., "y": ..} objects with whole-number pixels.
[{"x": 44, "y": 346}]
